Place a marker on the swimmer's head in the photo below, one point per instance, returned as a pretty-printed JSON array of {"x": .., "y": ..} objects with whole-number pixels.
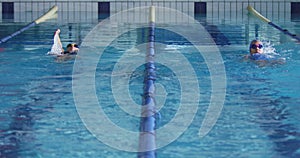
[
  {"x": 69, "y": 47},
  {"x": 256, "y": 46},
  {"x": 72, "y": 47}
]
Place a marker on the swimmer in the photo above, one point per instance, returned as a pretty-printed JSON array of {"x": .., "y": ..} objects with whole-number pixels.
[
  {"x": 72, "y": 49},
  {"x": 256, "y": 53},
  {"x": 57, "y": 49}
]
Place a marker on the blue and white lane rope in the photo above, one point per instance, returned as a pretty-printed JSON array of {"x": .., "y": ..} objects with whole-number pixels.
[
  {"x": 147, "y": 137},
  {"x": 264, "y": 19},
  {"x": 50, "y": 14}
]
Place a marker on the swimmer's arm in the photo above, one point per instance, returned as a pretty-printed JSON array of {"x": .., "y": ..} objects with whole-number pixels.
[
  {"x": 58, "y": 40},
  {"x": 246, "y": 57}
]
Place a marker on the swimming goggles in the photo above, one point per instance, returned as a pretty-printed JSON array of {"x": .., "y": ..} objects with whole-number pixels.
[{"x": 254, "y": 46}]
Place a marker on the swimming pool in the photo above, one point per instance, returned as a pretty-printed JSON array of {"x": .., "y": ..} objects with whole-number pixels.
[{"x": 259, "y": 118}]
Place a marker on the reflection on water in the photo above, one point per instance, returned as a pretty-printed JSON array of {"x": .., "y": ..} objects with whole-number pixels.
[
  {"x": 39, "y": 119},
  {"x": 274, "y": 118},
  {"x": 34, "y": 102},
  {"x": 258, "y": 90}
]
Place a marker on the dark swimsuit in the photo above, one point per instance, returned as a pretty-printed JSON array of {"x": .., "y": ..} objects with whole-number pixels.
[{"x": 70, "y": 53}]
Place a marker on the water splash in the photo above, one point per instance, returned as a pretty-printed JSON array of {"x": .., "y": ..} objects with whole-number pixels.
[
  {"x": 269, "y": 48},
  {"x": 271, "y": 53},
  {"x": 56, "y": 48}
]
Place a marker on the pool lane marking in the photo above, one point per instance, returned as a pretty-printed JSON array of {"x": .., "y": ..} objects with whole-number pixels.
[
  {"x": 50, "y": 14},
  {"x": 147, "y": 143},
  {"x": 264, "y": 19}
]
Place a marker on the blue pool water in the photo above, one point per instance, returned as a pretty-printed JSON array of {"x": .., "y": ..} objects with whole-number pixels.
[{"x": 38, "y": 116}]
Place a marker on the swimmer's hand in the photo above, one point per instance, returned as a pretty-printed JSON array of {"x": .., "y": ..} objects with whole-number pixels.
[{"x": 57, "y": 31}]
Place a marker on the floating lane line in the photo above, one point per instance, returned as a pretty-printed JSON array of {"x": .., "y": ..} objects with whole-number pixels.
[
  {"x": 50, "y": 14},
  {"x": 264, "y": 19}
]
